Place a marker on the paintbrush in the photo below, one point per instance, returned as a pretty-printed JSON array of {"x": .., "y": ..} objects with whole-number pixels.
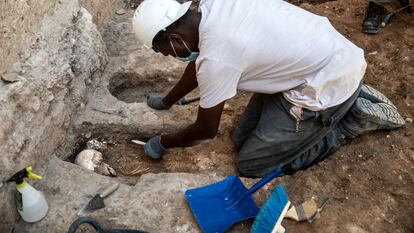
[{"x": 307, "y": 211}]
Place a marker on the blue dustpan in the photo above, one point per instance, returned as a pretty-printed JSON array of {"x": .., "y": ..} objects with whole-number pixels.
[{"x": 220, "y": 205}]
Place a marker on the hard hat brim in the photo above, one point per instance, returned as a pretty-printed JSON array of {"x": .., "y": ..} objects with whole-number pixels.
[
  {"x": 147, "y": 34},
  {"x": 182, "y": 10}
]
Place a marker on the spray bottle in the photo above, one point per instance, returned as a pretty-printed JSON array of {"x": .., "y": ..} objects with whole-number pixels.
[{"x": 30, "y": 203}]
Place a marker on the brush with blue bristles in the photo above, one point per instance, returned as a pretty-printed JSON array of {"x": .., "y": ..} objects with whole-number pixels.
[{"x": 269, "y": 219}]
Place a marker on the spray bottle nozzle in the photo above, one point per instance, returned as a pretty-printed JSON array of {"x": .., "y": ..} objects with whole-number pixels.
[{"x": 24, "y": 173}]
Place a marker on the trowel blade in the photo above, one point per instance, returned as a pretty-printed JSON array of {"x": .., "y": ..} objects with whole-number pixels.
[{"x": 95, "y": 203}]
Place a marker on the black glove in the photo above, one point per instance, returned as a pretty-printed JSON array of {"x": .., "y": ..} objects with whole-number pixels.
[
  {"x": 155, "y": 101},
  {"x": 153, "y": 148}
]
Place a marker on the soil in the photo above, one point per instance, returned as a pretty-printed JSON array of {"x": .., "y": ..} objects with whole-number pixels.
[
  {"x": 370, "y": 180},
  {"x": 130, "y": 88}
]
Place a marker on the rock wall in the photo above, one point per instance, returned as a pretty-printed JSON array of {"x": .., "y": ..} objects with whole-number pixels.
[
  {"x": 101, "y": 10},
  {"x": 20, "y": 21},
  {"x": 53, "y": 49}
]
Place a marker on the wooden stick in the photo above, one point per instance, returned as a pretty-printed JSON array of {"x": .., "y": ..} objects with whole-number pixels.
[{"x": 138, "y": 142}]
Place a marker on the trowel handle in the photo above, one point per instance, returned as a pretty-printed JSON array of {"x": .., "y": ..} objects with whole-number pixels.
[
  {"x": 109, "y": 190},
  {"x": 266, "y": 179}
]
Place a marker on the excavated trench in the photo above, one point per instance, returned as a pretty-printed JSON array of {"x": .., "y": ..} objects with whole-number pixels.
[
  {"x": 129, "y": 159},
  {"x": 130, "y": 86},
  {"x": 116, "y": 112},
  {"x": 113, "y": 140},
  {"x": 109, "y": 110}
]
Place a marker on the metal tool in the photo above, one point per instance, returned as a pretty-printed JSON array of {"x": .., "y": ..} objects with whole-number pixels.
[
  {"x": 317, "y": 213},
  {"x": 97, "y": 201},
  {"x": 218, "y": 206},
  {"x": 75, "y": 225},
  {"x": 138, "y": 142},
  {"x": 387, "y": 18},
  {"x": 184, "y": 101}
]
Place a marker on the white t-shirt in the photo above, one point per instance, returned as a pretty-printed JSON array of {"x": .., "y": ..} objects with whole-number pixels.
[{"x": 271, "y": 46}]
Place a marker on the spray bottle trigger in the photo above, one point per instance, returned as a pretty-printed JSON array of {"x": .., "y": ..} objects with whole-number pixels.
[{"x": 32, "y": 175}]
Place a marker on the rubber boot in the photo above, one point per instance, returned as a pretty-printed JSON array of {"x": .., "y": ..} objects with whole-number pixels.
[{"x": 372, "y": 22}]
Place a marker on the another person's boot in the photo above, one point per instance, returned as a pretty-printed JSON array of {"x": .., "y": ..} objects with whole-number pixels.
[
  {"x": 372, "y": 22},
  {"x": 371, "y": 111}
]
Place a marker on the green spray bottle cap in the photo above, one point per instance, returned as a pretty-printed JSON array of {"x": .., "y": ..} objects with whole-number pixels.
[{"x": 24, "y": 173}]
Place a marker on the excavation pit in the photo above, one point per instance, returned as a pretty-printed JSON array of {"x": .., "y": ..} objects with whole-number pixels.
[
  {"x": 129, "y": 159},
  {"x": 133, "y": 88}
]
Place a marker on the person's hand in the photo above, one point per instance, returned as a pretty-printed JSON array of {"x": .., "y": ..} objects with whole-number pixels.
[
  {"x": 153, "y": 148},
  {"x": 155, "y": 101}
]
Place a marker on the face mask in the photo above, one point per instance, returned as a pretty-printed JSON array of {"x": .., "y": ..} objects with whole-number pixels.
[{"x": 192, "y": 57}]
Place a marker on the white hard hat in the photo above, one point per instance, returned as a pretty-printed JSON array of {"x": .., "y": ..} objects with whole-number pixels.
[{"x": 152, "y": 16}]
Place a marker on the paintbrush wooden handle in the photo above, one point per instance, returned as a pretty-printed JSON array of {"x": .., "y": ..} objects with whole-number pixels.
[
  {"x": 109, "y": 190},
  {"x": 138, "y": 142}
]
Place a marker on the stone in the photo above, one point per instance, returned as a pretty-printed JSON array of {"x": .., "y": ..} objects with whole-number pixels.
[
  {"x": 409, "y": 120},
  {"x": 150, "y": 117},
  {"x": 88, "y": 135},
  {"x": 10, "y": 77},
  {"x": 105, "y": 169},
  {"x": 121, "y": 11},
  {"x": 49, "y": 96},
  {"x": 96, "y": 145},
  {"x": 372, "y": 53},
  {"x": 351, "y": 228},
  {"x": 156, "y": 203}
]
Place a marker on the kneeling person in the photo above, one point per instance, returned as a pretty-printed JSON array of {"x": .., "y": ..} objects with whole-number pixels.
[{"x": 307, "y": 79}]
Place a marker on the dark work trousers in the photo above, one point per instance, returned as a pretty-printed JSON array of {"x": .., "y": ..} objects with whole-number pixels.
[{"x": 268, "y": 135}]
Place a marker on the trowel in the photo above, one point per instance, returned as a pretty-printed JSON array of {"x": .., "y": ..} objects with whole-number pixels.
[{"x": 97, "y": 202}]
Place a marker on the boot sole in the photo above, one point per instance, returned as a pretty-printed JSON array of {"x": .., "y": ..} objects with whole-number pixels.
[
  {"x": 373, "y": 95},
  {"x": 383, "y": 115}
]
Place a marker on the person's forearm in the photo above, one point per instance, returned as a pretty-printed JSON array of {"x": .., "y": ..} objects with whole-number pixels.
[
  {"x": 186, "y": 137},
  {"x": 205, "y": 127},
  {"x": 185, "y": 85}
]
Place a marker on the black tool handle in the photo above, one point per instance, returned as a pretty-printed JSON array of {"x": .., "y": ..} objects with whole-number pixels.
[
  {"x": 387, "y": 18},
  {"x": 184, "y": 101},
  {"x": 74, "y": 226}
]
